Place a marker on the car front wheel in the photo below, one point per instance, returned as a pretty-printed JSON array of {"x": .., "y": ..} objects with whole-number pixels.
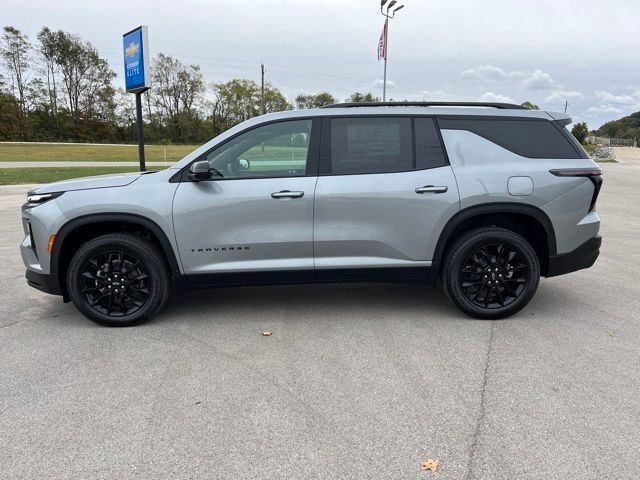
[
  {"x": 491, "y": 273},
  {"x": 118, "y": 280}
]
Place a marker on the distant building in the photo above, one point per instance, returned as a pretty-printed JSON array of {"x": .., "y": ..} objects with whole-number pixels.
[{"x": 611, "y": 142}]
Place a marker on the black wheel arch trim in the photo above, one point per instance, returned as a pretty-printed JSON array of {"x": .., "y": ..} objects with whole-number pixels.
[
  {"x": 493, "y": 208},
  {"x": 145, "y": 222}
]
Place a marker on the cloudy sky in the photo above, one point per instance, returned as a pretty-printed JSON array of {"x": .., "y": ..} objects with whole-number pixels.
[{"x": 546, "y": 51}]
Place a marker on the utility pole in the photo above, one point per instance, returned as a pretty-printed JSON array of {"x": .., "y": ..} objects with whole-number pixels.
[
  {"x": 566, "y": 105},
  {"x": 389, "y": 14},
  {"x": 262, "y": 88}
]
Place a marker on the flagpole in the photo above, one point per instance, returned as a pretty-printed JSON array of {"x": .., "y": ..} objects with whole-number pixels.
[
  {"x": 386, "y": 54},
  {"x": 385, "y": 44}
]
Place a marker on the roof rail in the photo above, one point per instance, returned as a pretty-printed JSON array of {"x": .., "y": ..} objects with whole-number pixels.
[{"x": 502, "y": 106}]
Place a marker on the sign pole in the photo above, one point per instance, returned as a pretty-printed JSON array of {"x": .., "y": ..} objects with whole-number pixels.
[
  {"x": 137, "y": 76},
  {"x": 140, "y": 126}
]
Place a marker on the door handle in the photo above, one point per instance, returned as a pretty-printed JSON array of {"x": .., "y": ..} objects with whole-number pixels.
[
  {"x": 287, "y": 194},
  {"x": 431, "y": 189}
]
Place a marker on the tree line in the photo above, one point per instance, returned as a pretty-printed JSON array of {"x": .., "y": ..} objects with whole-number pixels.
[{"x": 59, "y": 88}]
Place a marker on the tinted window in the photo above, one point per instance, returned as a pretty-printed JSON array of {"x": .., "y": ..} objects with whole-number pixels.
[
  {"x": 371, "y": 145},
  {"x": 275, "y": 150},
  {"x": 525, "y": 137},
  {"x": 429, "y": 152}
]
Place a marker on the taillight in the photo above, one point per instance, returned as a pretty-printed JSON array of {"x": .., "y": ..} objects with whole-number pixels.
[
  {"x": 577, "y": 172},
  {"x": 592, "y": 173}
]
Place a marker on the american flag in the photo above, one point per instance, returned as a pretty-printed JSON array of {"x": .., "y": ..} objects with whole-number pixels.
[{"x": 382, "y": 44}]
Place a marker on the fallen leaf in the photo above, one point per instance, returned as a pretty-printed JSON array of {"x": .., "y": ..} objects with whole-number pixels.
[
  {"x": 266, "y": 334},
  {"x": 429, "y": 465}
]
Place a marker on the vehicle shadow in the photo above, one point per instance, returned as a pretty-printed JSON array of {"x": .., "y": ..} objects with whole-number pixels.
[{"x": 377, "y": 299}]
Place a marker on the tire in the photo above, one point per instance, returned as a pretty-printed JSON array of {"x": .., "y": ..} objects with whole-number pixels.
[
  {"x": 118, "y": 280},
  {"x": 490, "y": 273}
]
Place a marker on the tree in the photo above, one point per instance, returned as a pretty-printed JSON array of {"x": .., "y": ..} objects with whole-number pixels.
[
  {"x": 177, "y": 87},
  {"x": 239, "y": 99},
  {"x": 358, "y": 97},
  {"x": 580, "y": 131},
  {"x": 529, "y": 105},
  {"x": 274, "y": 99},
  {"x": 86, "y": 78},
  {"x": 15, "y": 52},
  {"x": 626, "y": 127},
  {"x": 48, "y": 43},
  {"x": 314, "y": 100},
  {"x": 8, "y": 112},
  {"x": 177, "y": 95}
]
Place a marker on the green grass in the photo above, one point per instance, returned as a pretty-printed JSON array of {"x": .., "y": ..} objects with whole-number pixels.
[
  {"x": 589, "y": 148},
  {"x": 16, "y": 176},
  {"x": 14, "y": 152}
]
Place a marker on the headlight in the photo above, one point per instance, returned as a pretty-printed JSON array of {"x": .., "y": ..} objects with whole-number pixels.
[{"x": 39, "y": 198}]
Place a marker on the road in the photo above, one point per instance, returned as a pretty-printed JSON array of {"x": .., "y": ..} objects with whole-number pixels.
[
  {"x": 74, "y": 163},
  {"x": 357, "y": 381}
]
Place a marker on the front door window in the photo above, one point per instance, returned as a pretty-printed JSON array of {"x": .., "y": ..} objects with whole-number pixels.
[{"x": 275, "y": 150}]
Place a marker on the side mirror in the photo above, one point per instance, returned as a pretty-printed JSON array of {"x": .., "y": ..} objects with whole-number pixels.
[{"x": 200, "y": 171}]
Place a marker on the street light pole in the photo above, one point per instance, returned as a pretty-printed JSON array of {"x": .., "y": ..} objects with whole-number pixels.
[{"x": 389, "y": 14}]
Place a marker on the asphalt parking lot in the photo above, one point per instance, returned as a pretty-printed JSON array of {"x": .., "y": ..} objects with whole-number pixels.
[{"x": 357, "y": 381}]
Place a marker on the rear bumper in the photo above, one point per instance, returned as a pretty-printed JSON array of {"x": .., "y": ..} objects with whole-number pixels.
[
  {"x": 582, "y": 257},
  {"x": 44, "y": 282}
]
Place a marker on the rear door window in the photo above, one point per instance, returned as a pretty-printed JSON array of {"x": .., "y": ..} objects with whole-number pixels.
[
  {"x": 362, "y": 145},
  {"x": 429, "y": 153}
]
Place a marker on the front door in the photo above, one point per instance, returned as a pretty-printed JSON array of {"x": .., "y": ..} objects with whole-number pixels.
[
  {"x": 255, "y": 215},
  {"x": 384, "y": 194}
]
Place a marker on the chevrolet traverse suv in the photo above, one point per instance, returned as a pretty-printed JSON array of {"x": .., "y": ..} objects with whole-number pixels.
[{"x": 485, "y": 197}]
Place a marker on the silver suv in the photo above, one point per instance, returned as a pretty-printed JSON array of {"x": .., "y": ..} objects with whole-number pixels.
[{"x": 485, "y": 197}]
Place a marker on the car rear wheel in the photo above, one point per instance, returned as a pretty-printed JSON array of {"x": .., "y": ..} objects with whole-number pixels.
[
  {"x": 118, "y": 280},
  {"x": 491, "y": 273}
]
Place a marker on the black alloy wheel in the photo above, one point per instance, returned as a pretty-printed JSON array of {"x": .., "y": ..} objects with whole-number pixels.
[
  {"x": 115, "y": 283},
  {"x": 490, "y": 272},
  {"x": 118, "y": 279},
  {"x": 494, "y": 276}
]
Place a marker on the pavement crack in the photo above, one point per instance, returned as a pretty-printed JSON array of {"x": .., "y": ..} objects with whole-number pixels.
[{"x": 482, "y": 409}]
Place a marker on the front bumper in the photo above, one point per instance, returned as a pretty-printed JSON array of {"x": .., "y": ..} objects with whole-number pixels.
[
  {"x": 44, "y": 282},
  {"x": 582, "y": 257}
]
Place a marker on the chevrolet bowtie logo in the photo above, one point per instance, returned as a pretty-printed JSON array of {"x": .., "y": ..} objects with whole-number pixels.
[{"x": 132, "y": 49}]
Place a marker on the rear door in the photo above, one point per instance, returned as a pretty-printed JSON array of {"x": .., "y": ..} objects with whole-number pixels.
[
  {"x": 382, "y": 198},
  {"x": 255, "y": 216}
]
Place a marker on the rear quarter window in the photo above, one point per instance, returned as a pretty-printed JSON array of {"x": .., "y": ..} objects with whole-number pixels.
[{"x": 532, "y": 138}]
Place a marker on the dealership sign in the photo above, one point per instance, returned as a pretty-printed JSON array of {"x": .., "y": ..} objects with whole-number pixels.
[{"x": 135, "y": 46}]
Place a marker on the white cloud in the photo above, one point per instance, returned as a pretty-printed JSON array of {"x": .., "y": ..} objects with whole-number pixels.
[
  {"x": 608, "y": 98},
  {"x": 562, "y": 95},
  {"x": 490, "y": 74},
  {"x": 439, "y": 95},
  {"x": 605, "y": 110},
  {"x": 495, "y": 97},
  {"x": 611, "y": 104},
  {"x": 485, "y": 73},
  {"x": 538, "y": 80},
  {"x": 378, "y": 83}
]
